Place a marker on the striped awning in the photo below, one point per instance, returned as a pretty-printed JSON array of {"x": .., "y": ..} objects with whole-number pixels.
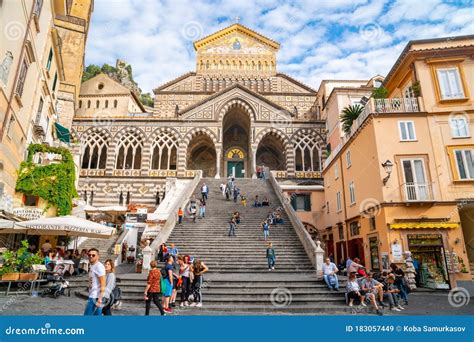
[{"x": 423, "y": 225}]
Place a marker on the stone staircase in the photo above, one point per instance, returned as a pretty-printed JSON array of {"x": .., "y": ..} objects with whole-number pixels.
[
  {"x": 238, "y": 281},
  {"x": 105, "y": 247}
]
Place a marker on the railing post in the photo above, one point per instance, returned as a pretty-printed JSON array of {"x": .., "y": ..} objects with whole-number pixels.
[{"x": 319, "y": 255}]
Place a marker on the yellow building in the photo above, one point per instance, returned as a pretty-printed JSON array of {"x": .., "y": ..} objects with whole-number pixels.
[
  {"x": 402, "y": 179},
  {"x": 41, "y": 54}
]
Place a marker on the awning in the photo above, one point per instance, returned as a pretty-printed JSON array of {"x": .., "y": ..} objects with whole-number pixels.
[
  {"x": 423, "y": 225},
  {"x": 63, "y": 133},
  {"x": 62, "y": 225}
]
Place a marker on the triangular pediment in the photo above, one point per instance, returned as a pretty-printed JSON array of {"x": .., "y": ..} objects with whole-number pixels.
[
  {"x": 213, "y": 107},
  {"x": 107, "y": 86},
  {"x": 236, "y": 39}
]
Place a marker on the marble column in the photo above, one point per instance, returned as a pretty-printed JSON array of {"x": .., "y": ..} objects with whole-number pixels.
[
  {"x": 254, "y": 162},
  {"x": 218, "y": 163}
]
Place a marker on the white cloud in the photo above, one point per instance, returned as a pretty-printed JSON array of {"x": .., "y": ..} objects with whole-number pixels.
[{"x": 319, "y": 40}]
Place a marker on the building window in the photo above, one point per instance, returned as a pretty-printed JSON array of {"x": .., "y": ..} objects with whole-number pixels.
[
  {"x": 30, "y": 201},
  {"x": 354, "y": 228},
  {"x": 40, "y": 110},
  {"x": 97, "y": 104},
  {"x": 348, "y": 159},
  {"x": 80, "y": 103},
  {"x": 352, "y": 193},
  {"x": 88, "y": 103},
  {"x": 336, "y": 170},
  {"x": 106, "y": 103},
  {"x": 307, "y": 153},
  {"x": 55, "y": 81},
  {"x": 10, "y": 125},
  {"x": 50, "y": 59},
  {"x": 415, "y": 187},
  {"x": 340, "y": 229},
  {"x": 6, "y": 66},
  {"x": 164, "y": 152},
  {"x": 22, "y": 78},
  {"x": 115, "y": 103},
  {"x": 459, "y": 127},
  {"x": 450, "y": 84},
  {"x": 129, "y": 152},
  {"x": 407, "y": 130},
  {"x": 465, "y": 163},
  {"x": 327, "y": 207},
  {"x": 95, "y": 151},
  {"x": 372, "y": 225},
  {"x": 338, "y": 201},
  {"x": 301, "y": 202}
]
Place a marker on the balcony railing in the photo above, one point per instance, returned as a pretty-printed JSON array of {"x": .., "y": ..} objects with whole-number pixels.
[
  {"x": 396, "y": 105},
  {"x": 417, "y": 192}
]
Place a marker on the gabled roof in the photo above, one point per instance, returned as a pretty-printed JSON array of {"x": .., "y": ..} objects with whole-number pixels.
[
  {"x": 219, "y": 93},
  {"x": 302, "y": 85},
  {"x": 232, "y": 28},
  {"x": 176, "y": 80}
]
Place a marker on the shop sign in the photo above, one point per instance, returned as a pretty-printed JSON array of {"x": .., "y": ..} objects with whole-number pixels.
[{"x": 397, "y": 252}]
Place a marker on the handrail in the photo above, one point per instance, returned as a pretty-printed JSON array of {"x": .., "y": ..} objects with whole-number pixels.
[
  {"x": 170, "y": 223},
  {"x": 308, "y": 244}
]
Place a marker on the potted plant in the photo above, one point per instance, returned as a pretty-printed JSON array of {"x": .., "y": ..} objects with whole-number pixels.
[
  {"x": 8, "y": 271},
  {"x": 25, "y": 261}
]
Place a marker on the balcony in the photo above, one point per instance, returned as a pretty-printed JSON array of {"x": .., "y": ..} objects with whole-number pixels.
[
  {"x": 40, "y": 126},
  {"x": 396, "y": 105},
  {"x": 417, "y": 192}
]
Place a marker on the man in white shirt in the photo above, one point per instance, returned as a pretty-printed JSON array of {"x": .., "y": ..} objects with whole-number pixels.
[
  {"x": 329, "y": 275},
  {"x": 96, "y": 284}
]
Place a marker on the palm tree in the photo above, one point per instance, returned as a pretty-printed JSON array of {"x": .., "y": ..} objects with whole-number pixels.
[{"x": 348, "y": 115}]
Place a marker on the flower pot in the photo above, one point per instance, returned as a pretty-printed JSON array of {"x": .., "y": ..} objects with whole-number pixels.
[
  {"x": 11, "y": 276},
  {"x": 28, "y": 276}
]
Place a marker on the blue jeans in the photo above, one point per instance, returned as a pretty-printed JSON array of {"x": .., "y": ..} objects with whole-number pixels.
[
  {"x": 202, "y": 212},
  {"x": 92, "y": 309},
  {"x": 326, "y": 280},
  {"x": 271, "y": 262},
  {"x": 231, "y": 229},
  {"x": 403, "y": 292},
  {"x": 266, "y": 233}
]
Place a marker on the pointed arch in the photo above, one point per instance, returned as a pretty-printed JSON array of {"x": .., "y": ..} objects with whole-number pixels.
[{"x": 95, "y": 144}]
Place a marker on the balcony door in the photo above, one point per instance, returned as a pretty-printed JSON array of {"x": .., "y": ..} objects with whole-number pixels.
[{"x": 416, "y": 186}]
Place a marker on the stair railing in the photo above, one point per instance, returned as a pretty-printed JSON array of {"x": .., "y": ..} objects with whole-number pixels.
[
  {"x": 170, "y": 223},
  {"x": 311, "y": 248}
]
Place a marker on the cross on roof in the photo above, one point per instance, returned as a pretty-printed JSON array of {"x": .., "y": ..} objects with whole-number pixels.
[{"x": 237, "y": 19}]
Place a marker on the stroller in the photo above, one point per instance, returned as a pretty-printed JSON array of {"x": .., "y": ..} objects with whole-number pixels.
[{"x": 59, "y": 286}]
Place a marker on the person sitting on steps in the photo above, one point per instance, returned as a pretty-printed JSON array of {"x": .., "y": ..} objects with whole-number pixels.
[
  {"x": 257, "y": 202},
  {"x": 265, "y": 202}
]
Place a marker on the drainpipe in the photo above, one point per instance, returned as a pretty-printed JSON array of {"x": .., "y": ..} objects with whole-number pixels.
[{"x": 12, "y": 93}]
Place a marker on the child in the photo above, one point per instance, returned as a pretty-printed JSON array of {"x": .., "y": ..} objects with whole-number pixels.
[
  {"x": 270, "y": 257},
  {"x": 243, "y": 200},
  {"x": 180, "y": 216}
]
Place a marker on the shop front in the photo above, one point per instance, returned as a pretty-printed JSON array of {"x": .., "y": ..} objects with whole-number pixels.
[
  {"x": 374, "y": 253},
  {"x": 429, "y": 251}
]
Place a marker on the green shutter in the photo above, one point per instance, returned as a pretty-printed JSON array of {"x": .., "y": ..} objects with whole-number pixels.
[
  {"x": 63, "y": 133},
  {"x": 307, "y": 202}
]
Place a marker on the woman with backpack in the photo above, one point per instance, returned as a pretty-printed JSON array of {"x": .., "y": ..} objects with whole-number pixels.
[
  {"x": 167, "y": 283},
  {"x": 153, "y": 289},
  {"x": 110, "y": 283}
]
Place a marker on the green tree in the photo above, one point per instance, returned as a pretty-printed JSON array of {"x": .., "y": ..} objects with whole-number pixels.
[
  {"x": 90, "y": 71},
  {"x": 146, "y": 99},
  {"x": 108, "y": 69},
  {"x": 348, "y": 115}
]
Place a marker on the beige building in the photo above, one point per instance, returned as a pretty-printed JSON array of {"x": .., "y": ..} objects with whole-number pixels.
[
  {"x": 38, "y": 79},
  {"x": 401, "y": 180}
]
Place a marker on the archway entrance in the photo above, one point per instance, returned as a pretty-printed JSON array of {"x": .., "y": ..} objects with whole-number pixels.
[
  {"x": 236, "y": 141},
  {"x": 271, "y": 153},
  {"x": 201, "y": 155}
]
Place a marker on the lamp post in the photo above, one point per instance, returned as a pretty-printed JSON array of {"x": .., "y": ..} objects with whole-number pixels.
[{"x": 388, "y": 165}]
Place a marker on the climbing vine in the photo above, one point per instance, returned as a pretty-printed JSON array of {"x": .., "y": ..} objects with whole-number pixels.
[{"x": 55, "y": 183}]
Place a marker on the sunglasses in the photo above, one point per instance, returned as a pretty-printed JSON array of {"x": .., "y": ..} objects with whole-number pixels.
[{"x": 92, "y": 255}]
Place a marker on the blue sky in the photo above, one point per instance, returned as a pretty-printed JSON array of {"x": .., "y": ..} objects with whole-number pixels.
[{"x": 326, "y": 39}]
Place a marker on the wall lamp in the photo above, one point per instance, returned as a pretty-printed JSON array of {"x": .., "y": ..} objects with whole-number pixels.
[{"x": 388, "y": 165}]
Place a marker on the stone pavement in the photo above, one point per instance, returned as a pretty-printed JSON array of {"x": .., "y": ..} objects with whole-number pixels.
[{"x": 420, "y": 304}]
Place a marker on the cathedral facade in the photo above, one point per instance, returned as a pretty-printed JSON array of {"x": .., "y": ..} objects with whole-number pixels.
[{"x": 233, "y": 114}]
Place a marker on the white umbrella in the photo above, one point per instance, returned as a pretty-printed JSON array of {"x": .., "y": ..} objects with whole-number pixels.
[
  {"x": 64, "y": 225},
  {"x": 6, "y": 224},
  {"x": 113, "y": 208}
]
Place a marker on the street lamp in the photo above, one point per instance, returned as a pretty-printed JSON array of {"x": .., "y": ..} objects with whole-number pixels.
[{"x": 388, "y": 169}]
